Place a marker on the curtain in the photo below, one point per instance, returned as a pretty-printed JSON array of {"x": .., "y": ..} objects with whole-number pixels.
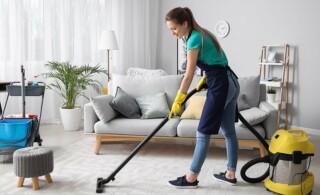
[{"x": 34, "y": 32}]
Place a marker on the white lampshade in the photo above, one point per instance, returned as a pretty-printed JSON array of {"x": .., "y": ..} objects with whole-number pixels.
[{"x": 108, "y": 41}]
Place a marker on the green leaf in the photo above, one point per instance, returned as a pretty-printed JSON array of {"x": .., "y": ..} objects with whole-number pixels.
[{"x": 71, "y": 81}]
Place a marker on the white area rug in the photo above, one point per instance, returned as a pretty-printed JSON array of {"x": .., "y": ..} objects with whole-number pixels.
[{"x": 77, "y": 168}]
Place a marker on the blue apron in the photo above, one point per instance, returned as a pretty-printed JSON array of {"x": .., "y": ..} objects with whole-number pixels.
[{"x": 218, "y": 85}]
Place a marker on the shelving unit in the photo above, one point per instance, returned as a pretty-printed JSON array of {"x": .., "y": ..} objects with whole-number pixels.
[{"x": 272, "y": 58}]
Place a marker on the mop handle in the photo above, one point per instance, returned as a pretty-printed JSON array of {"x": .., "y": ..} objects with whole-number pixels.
[{"x": 23, "y": 92}]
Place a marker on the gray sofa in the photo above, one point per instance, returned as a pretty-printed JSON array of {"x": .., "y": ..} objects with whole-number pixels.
[{"x": 108, "y": 125}]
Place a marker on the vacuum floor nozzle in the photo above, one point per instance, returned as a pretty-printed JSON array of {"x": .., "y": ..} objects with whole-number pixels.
[{"x": 99, "y": 188}]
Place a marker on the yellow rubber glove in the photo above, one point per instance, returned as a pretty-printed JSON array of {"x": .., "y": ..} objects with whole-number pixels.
[
  {"x": 201, "y": 82},
  {"x": 176, "y": 106}
]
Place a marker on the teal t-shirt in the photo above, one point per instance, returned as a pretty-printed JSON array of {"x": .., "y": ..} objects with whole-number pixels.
[{"x": 208, "y": 54}]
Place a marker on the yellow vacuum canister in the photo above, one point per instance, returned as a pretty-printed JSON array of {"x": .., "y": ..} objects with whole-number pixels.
[{"x": 290, "y": 157}]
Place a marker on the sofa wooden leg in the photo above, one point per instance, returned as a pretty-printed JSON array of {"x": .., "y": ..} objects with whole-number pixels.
[
  {"x": 262, "y": 150},
  {"x": 97, "y": 144}
]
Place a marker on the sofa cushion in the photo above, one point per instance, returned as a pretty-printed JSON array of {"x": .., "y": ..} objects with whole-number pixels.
[
  {"x": 194, "y": 108},
  {"x": 102, "y": 108},
  {"x": 125, "y": 126},
  {"x": 250, "y": 88},
  {"x": 141, "y": 86},
  {"x": 249, "y": 91},
  {"x": 188, "y": 128},
  {"x": 242, "y": 103},
  {"x": 125, "y": 104},
  {"x": 253, "y": 115},
  {"x": 153, "y": 106}
]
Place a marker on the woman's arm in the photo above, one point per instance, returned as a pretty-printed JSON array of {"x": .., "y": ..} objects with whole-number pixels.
[{"x": 192, "y": 57}]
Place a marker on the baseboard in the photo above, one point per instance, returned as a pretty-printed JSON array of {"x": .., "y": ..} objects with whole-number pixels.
[{"x": 309, "y": 131}]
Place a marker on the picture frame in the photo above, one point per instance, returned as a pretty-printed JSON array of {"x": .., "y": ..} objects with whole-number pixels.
[
  {"x": 271, "y": 56},
  {"x": 182, "y": 57}
]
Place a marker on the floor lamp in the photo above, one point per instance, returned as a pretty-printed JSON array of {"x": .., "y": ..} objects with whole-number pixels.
[{"x": 108, "y": 42}]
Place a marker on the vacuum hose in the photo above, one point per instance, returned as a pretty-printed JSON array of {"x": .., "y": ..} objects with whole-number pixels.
[{"x": 265, "y": 159}]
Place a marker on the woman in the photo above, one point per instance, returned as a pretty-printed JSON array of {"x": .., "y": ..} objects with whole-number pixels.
[{"x": 204, "y": 51}]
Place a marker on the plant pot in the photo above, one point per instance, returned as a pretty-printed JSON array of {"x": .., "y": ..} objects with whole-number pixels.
[
  {"x": 71, "y": 118},
  {"x": 271, "y": 97}
]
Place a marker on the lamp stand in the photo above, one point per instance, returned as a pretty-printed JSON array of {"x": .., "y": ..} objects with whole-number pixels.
[
  {"x": 108, "y": 57},
  {"x": 105, "y": 88}
]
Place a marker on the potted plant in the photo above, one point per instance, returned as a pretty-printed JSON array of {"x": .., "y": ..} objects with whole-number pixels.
[
  {"x": 70, "y": 83},
  {"x": 271, "y": 94}
]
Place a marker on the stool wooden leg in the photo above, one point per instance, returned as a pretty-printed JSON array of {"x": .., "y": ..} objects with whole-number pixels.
[
  {"x": 20, "y": 182},
  {"x": 48, "y": 178},
  {"x": 35, "y": 183}
]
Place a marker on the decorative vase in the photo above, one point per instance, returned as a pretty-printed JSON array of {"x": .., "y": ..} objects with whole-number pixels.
[
  {"x": 271, "y": 97},
  {"x": 71, "y": 118}
]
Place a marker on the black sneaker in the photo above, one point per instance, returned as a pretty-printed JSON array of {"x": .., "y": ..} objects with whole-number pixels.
[
  {"x": 222, "y": 177},
  {"x": 182, "y": 183}
]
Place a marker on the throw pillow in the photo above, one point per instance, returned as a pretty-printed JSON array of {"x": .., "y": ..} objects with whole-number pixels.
[
  {"x": 253, "y": 115},
  {"x": 102, "y": 108},
  {"x": 125, "y": 104},
  {"x": 242, "y": 103},
  {"x": 153, "y": 106},
  {"x": 141, "y": 72},
  {"x": 141, "y": 86},
  {"x": 195, "y": 107},
  {"x": 250, "y": 87}
]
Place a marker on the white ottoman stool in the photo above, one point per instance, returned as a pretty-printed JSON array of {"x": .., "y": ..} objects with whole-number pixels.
[{"x": 32, "y": 162}]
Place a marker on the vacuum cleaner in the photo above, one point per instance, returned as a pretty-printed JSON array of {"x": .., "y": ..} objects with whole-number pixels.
[
  {"x": 289, "y": 158},
  {"x": 289, "y": 152},
  {"x": 111, "y": 177}
]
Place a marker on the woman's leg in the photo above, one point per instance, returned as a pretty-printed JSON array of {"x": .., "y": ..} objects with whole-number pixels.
[
  {"x": 199, "y": 155},
  {"x": 230, "y": 135},
  {"x": 228, "y": 126}
]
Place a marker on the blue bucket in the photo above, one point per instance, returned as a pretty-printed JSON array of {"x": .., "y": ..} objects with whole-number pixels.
[{"x": 14, "y": 132}]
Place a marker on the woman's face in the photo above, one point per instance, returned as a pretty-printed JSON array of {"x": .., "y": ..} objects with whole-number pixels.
[{"x": 178, "y": 30}]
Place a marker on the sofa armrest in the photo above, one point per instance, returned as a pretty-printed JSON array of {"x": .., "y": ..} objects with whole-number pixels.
[
  {"x": 270, "y": 123},
  {"x": 90, "y": 118}
]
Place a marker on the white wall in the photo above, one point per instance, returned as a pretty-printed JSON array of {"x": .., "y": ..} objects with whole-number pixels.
[{"x": 255, "y": 23}]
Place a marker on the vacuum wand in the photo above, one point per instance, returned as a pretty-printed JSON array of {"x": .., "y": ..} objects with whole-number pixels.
[{"x": 111, "y": 177}]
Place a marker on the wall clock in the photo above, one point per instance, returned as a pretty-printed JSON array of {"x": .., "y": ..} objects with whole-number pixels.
[{"x": 222, "y": 28}]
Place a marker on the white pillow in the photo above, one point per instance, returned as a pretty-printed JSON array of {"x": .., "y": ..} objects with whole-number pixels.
[
  {"x": 253, "y": 115},
  {"x": 141, "y": 72}
]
